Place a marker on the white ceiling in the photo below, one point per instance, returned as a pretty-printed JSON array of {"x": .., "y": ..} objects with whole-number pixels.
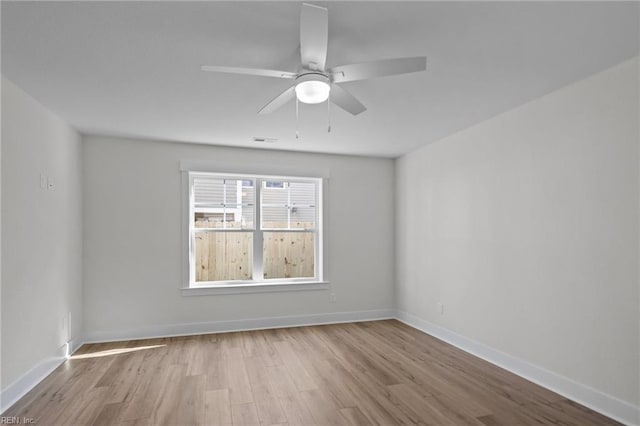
[{"x": 132, "y": 68}]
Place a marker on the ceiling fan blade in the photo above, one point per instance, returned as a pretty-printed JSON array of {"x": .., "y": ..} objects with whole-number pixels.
[
  {"x": 250, "y": 71},
  {"x": 279, "y": 101},
  {"x": 346, "y": 100},
  {"x": 374, "y": 69},
  {"x": 314, "y": 36}
]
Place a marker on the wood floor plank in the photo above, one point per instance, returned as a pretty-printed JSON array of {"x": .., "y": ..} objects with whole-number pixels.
[
  {"x": 375, "y": 405},
  {"x": 353, "y": 416},
  {"x": 149, "y": 387},
  {"x": 68, "y": 393},
  {"x": 569, "y": 413},
  {"x": 300, "y": 375},
  {"x": 217, "y": 377},
  {"x": 322, "y": 408},
  {"x": 369, "y": 384},
  {"x": 197, "y": 357},
  {"x": 239, "y": 386},
  {"x": 81, "y": 410},
  {"x": 217, "y": 407},
  {"x": 174, "y": 349},
  {"x": 109, "y": 414},
  {"x": 244, "y": 415},
  {"x": 40, "y": 398},
  {"x": 126, "y": 372},
  {"x": 426, "y": 409},
  {"x": 289, "y": 396},
  {"x": 426, "y": 384},
  {"x": 165, "y": 408},
  {"x": 267, "y": 350},
  {"x": 230, "y": 343},
  {"x": 266, "y": 400},
  {"x": 373, "y": 373},
  {"x": 191, "y": 402},
  {"x": 136, "y": 422},
  {"x": 359, "y": 357},
  {"x": 450, "y": 382}
]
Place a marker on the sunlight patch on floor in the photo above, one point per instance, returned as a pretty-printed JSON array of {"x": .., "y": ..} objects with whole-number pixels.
[{"x": 114, "y": 352}]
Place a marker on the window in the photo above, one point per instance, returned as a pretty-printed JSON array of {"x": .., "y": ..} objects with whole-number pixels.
[{"x": 253, "y": 229}]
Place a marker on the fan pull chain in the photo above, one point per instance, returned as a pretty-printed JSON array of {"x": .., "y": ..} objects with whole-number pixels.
[
  {"x": 329, "y": 114},
  {"x": 297, "y": 120}
]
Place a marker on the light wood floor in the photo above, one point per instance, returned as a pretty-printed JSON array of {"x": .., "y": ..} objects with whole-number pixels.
[{"x": 381, "y": 372}]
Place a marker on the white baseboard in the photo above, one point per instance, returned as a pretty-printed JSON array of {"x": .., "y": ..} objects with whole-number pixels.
[
  {"x": 608, "y": 405},
  {"x": 16, "y": 390},
  {"x": 187, "y": 329}
]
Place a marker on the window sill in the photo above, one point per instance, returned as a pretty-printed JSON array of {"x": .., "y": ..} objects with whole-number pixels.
[{"x": 255, "y": 288}]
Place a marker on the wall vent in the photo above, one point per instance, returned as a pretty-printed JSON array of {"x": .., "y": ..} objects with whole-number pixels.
[{"x": 263, "y": 139}]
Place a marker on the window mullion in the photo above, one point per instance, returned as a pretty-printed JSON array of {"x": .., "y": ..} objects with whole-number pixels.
[
  {"x": 288, "y": 206},
  {"x": 258, "y": 269}
]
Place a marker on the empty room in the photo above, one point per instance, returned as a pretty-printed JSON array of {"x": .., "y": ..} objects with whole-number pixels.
[{"x": 320, "y": 213}]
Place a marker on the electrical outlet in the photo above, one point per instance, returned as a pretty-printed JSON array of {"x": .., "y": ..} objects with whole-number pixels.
[
  {"x": 441, "y": 308},
  {"x": 43, "y": 181},
  {"x": 332, "y": 297},
  {"x": 51, "y": 183}
]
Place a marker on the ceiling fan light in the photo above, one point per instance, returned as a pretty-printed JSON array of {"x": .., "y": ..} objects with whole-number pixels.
[{"x": 312, "y": 91}]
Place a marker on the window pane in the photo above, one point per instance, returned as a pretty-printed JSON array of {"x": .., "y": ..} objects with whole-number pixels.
[
  {"x": 289, "y": 255},
  {"x": 288, "y": 205},
  {"x": 223, "y": 203},
  {"x": 223, "y": 256}
]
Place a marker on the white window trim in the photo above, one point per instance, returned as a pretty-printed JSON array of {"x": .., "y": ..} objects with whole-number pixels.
[
  {"x": 256, "y": 287},
  {"x": 321, "y": 282}
]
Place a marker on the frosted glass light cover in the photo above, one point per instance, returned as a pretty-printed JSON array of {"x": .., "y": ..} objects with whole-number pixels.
[{"x": 312, "y": 92}]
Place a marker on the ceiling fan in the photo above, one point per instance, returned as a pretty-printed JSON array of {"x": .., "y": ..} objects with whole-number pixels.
[{"x": 314, "y": 83}]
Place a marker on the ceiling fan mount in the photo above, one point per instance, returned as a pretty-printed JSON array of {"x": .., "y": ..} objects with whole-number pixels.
[{"x": 313, "y": 82}]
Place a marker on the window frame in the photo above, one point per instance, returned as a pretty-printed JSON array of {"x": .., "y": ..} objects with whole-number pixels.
[{"x": 258, "y": 283}]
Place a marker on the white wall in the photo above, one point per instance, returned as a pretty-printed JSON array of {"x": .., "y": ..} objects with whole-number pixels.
[
  {"x": 41, "y": 236},
  {"x": 132, "y": 240},
  {"x": 526, "y": 228}
]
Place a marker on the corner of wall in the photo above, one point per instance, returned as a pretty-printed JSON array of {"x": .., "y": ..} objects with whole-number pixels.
[{"x": 41, "y": 214}]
